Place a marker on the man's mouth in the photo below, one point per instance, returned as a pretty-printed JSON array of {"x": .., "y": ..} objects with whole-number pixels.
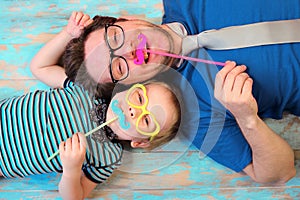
[
  {"x": 146, "y": 53},
  {"x": 142, "y": 54}
]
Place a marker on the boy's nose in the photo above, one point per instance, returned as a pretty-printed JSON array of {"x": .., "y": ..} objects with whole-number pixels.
[{"x": 134, "y": 113}]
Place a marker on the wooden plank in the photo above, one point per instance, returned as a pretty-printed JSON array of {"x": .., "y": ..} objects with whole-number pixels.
[
  {"x": 188, "y": 172},
  {"x": 26, "y": 25},
  {"x": 297, "y": 154}
]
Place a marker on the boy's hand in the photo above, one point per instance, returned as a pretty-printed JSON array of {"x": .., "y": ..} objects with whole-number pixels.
[
  {"x": 72, "y": 153},
  {"x": 76, "y": 23},
  {"x": 233, "y": 88}
]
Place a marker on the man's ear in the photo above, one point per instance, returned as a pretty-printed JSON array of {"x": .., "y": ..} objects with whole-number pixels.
[{"x": 140, "y": 144}]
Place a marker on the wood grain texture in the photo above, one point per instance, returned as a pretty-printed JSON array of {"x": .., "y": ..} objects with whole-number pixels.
[{"x": 27, "y": 25}]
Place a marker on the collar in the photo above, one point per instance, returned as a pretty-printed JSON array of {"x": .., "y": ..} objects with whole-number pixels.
[
  {"x": 98, "y": 115},
  {"x": 180, "y": 30}
]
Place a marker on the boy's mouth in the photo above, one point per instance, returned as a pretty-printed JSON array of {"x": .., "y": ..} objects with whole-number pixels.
[{"x": 121, "y": 117}]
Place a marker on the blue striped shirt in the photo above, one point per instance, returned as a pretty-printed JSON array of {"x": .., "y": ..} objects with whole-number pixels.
[{"x": 33, "y": 125}]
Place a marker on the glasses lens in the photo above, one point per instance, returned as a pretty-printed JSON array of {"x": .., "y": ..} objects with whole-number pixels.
[
  {"x": 146, "y": 124},
  {"x": 115, "y": 36},
  {"x": 137, "y": 98},
  {"x": 119, "y": 68}
]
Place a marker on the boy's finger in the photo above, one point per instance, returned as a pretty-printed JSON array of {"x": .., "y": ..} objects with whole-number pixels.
[
  {"x": 62, "y": 146},
  {"x": 68, "y": 144},
  {"x": 75, "y": 141},
  {"x": 82, "y": 140},
  {"x": 73, "y": 15},
  {"x": 78, "y": 17},
  {"x": 84, "y": 19},
  {"x": 88, "y": 22}
]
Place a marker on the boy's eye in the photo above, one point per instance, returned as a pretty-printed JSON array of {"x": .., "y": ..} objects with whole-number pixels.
[
  {"x": 140, "y": 98},
  {"x": 147, "y": 121}
]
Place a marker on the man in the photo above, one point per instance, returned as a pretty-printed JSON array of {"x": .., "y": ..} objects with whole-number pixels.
[
  {"x": 272, "y": 69},
  {"x": 236, "y": 137}
]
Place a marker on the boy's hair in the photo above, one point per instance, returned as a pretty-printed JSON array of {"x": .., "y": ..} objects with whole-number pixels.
[
  {"x": 73, "y": 59},
  {"x": 167, "y": 135}
]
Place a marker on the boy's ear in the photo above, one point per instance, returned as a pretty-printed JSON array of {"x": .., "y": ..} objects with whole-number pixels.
[{"x": 140, "y": 144}]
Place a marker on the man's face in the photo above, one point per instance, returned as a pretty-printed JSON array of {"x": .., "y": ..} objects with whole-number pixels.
[{"x": 98, "y": 57}]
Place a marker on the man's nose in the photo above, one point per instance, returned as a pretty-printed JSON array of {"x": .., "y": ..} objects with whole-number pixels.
[{"x": 127, "y": 51}]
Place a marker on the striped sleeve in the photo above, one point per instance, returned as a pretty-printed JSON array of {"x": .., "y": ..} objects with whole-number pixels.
[
  {"x": 22, "y": 123},
  {"x": 33, "y": 125},
  {"x": 104, "y": 159}
]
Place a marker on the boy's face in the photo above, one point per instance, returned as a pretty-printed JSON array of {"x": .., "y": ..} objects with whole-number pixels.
[
  {"x": 158, "y": 112},
  {"x": 98, "y": 58}
]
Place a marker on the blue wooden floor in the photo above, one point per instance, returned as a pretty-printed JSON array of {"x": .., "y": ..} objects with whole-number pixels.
[{"x": 26, "y": 25}]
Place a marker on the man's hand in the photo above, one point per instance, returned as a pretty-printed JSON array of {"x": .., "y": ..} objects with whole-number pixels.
[
  {"x": 76, "y": 23},
  {"x": 72, "y": 154},
  {"x": 272, "y": 157},
  {"x": 233, "y": 88}
]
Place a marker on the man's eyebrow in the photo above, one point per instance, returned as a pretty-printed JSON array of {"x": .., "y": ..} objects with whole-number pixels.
[{"x": 105, "y": 38}]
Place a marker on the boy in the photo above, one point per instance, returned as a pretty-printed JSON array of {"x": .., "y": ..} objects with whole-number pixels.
[{"x": 35, "y": 124}]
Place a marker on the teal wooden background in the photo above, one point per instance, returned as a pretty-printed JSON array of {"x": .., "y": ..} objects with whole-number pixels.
[{"x": 26, "y": 25}]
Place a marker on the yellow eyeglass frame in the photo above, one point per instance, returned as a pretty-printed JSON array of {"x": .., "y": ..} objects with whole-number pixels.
[{"x": 144, "y": 111}]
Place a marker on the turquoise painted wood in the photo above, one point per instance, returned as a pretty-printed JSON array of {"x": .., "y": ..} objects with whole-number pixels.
[{"x": 26, "y": 25}]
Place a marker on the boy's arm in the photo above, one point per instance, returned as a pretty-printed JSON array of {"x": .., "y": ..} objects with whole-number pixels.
[
  {"x": 74, "y": 184},
  {"x": 272, "y": 157},
  {"x": 44, "y": 65}
]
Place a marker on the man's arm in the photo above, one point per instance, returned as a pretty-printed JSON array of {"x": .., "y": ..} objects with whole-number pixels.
[
  {"x": 44, "y": 65},
  {"x": 272, "y": 157},
  {"x": 74, "y": 184}
]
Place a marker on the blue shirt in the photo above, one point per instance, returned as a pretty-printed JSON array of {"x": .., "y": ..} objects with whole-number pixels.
[{"x": 274, "y": 68}]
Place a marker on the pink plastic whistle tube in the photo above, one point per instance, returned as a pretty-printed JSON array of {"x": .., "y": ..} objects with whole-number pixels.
[{"x": 186, "y": 58}]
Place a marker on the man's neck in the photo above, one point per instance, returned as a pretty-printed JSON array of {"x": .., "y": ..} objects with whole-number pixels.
[{"x": 176, "y": 38}]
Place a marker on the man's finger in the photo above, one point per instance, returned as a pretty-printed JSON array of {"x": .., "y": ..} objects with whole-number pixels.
[
  {"x": 247, "y": 89},
  {"x": 231, "y": 77},
  {"x": 239, "y": 83},
  {"x": 226, "y": 69},
  {"x": 221, "y": 75}
]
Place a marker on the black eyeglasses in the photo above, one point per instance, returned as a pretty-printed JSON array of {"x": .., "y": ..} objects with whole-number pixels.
[{"x": 118, "y": 66}]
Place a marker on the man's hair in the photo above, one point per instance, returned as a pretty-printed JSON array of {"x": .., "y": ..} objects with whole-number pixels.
[
  {"x": 168, "y": 134},
  {"x": 74, "y": 63}
]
